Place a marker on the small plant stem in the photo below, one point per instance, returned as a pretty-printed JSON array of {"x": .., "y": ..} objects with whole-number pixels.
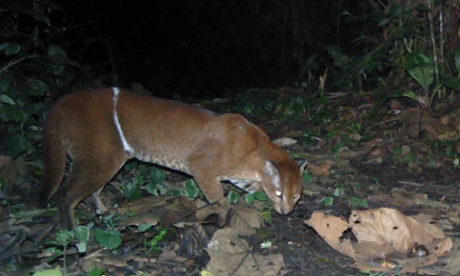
[
  {"x": 64, "y": 260},
  {"x": 433, "y": 40},
  {"x": 16, "y": 62}
]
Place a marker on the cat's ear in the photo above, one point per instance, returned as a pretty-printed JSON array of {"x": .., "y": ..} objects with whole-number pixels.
[
  {"x": 274, "y": 176},
  {"x": 302, "y": 165}
]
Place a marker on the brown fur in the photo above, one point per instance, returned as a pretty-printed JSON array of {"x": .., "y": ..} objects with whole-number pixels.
[{"x": 183, "y": 137}]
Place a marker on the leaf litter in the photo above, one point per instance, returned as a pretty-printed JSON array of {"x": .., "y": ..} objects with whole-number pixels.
[
  {"x": 382, "y": 236},
  {"x": 410, "y": 225}
]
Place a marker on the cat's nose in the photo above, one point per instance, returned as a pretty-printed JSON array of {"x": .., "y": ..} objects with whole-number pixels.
[{"x": 286, "y": 210}]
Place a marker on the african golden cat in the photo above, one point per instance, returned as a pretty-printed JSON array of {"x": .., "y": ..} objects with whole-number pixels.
[{"x": 101, "y": 129}]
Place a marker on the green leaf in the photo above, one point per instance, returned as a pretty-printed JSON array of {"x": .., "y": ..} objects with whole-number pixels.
[
  {"x": 81, "y": 247},
  {"x": 7, "y": 99},
  {"x": 233, "y": 197},
  {"x": 355, "y": 202},
  {"x": 49, "y": 272},
  {"x": 17, "y": 144},
  {"x": 56, "y": 55},
  {"x": 340, "y": 59},
  {"x": 191, "y": 189},
  {"x": 249, "y": 198},
  {"x": 10, "y": 48},
  {"x": 410, "y": 95},
  {"x": 306, "y": 177},
  {"x": 81, "y": 233},
  {"x": 56, "y": 68},
  {"x": 152, "y": 188},
  {"x": 55, "y": 253},
  {"x": 37, "y": 88},
  {"x": 339, "y": 191},
  {"x": 40, "y": 16},
  {"x": 97, "y": 271},
  {"x": 158, "y": 175},
  {"x": 110, "y": 239},
  {"x": 420, "y": 68},
  {"x": 157, "y": 238},
  {"x": 422, "y": 8},
  {"x": 457, "y": 61},
  {"x": 134, "y": 194},
  {"x": 144, "y": 227},
  {"x": 328, "y": 200},
  {"x": 450, "y": 82},
  {"x": 261, "y": 196},
  {"x": 63, "y": 237},
  {"x": 4, "y": 85}
]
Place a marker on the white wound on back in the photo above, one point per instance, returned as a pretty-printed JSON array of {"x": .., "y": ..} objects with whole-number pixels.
[
  {"x": 126, "y": 146},
  {"x": 274, "y": 175}
]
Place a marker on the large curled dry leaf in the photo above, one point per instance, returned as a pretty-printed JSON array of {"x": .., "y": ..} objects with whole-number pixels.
[
  {"x": 231, "y": 255},
  {"x": 382, "y": 234}
]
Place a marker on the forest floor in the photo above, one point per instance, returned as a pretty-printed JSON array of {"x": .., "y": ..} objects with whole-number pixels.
[{"x": 381, "y": 197}]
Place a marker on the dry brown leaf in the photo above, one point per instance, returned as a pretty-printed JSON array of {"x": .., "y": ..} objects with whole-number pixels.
[
  {"x": 405, "y": 150},
  {"x": 426, "y": 221},
  {"x": 415, "y": 120},
  {"x": 395, "y": 104},
  {"x": 450, "y": 265},
  {"x": 373, "y": 143},
  {"x": 245, "y": 220},
  {"x": 445, "y": 120},
  {"x": 323, "y": 169},
  {"x": 389, "y": 226},
  {"x": 11, "y": 170},
  {"x": 380, "y": 198},
  {"x": 355, "y": 136},
  {"x": 382, "y": 234},
  {"x": 220, "y": 209},
  {"x": 154, "y": 209},
  {"x": 108, "y": 258},
  {"x": 231, "y": 255},
  {"x": 331, "y": 229}
]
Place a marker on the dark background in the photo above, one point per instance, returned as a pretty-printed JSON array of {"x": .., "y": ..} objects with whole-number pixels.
[{"x": 205, "y": 48}]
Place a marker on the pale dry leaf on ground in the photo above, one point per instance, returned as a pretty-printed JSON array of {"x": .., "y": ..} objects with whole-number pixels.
[
  {"x": 450, "y": 264},
  {"x": 400, "y": 231},
  {"x": 231, "y": 255},
  {"x": 382, "y": 234},
  {"x": 284, "y": 142}
]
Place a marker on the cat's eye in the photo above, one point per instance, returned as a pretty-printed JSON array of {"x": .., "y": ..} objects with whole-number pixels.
[{"x": 278, "y": 193}]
